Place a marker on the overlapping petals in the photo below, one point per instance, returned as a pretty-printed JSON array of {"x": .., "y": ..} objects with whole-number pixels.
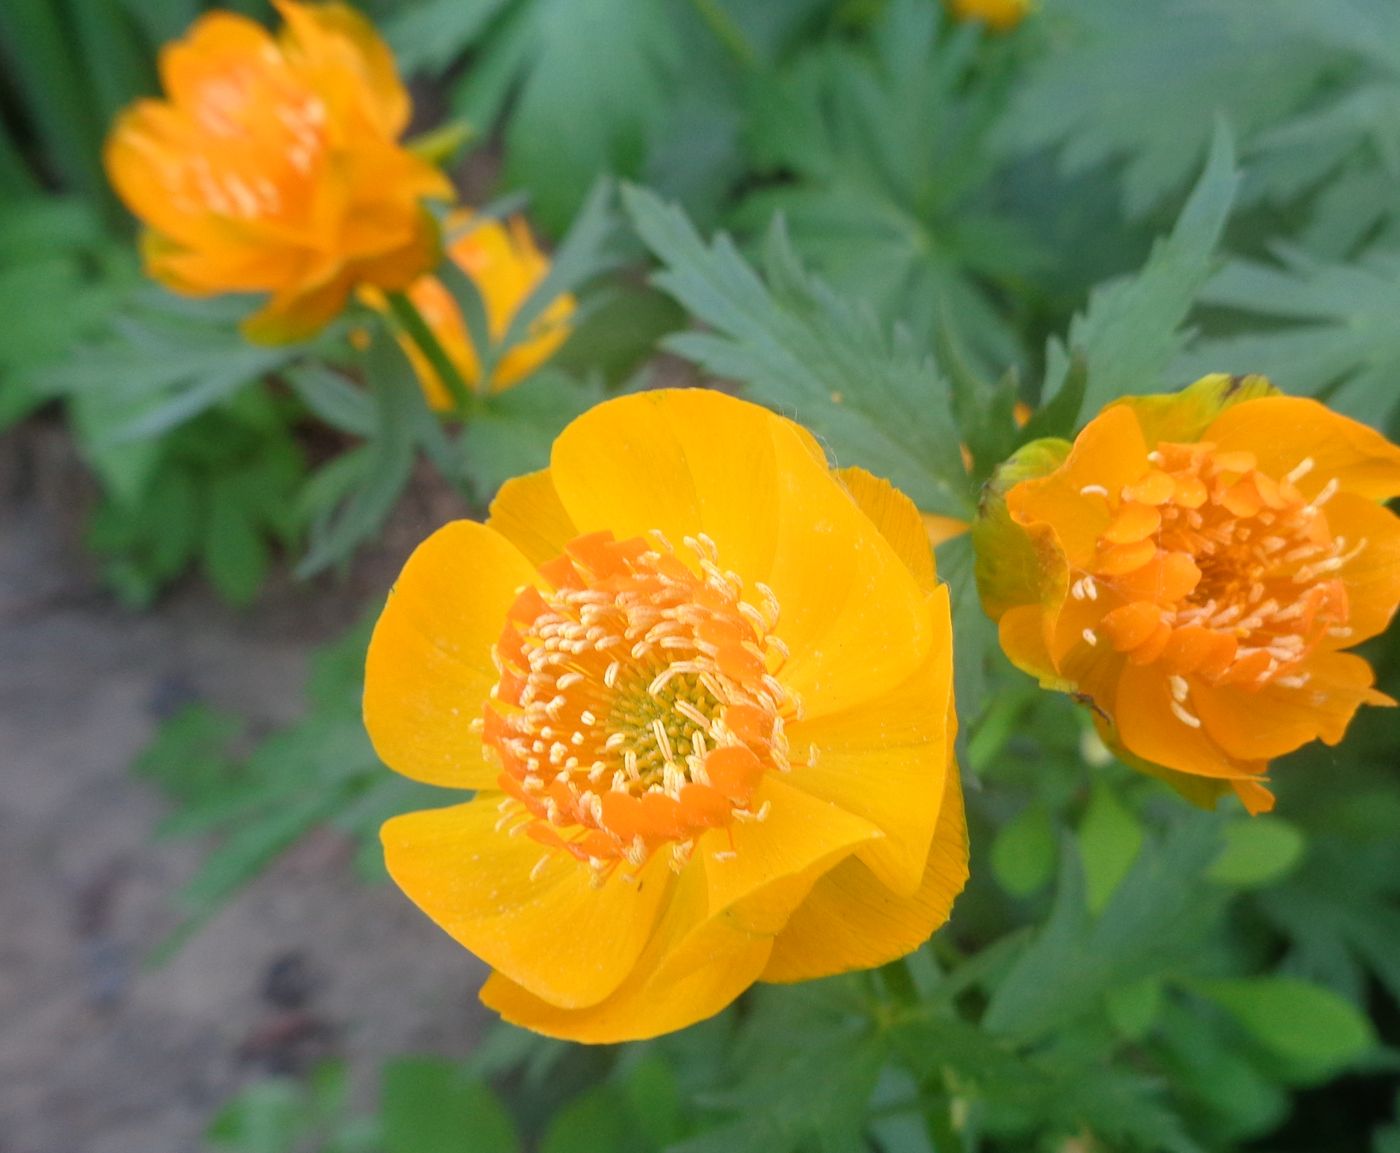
[
  {"x": 273, "y": 165},
  {"x": 1192, "y": 568},
  {"x": 702, "y": 685}
]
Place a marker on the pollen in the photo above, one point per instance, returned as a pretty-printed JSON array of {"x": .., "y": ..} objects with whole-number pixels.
[
  {"x": 640, "y": 701},
  {"x": 1219, "y": 573}
]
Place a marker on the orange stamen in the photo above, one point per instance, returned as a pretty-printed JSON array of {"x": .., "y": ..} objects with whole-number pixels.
[
  {"x": 1218, "y": 572},
  {"x": 637, "y": 705}
]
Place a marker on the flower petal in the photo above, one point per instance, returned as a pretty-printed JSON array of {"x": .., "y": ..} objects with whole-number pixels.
[
  {"x": 886, "y": 760},
  {"x": 692, "y": 461},
  {"x": 336, "y": 37},
  {"x": 851, "y": 921},
  {"x": 1147, "y": 725},
  {"x": 690, "y": 971},
  {"x": 679, "y": 461},
  {"x": 528, "y": 513},
  {"x": 899, "y": 522},
  {"x": 550, "y": 931},
  {"x": 1372, "y": 577},
  {"x": 1275, "y": 719},
  {"x": 800, "y": 834},
  {"x": 1107, "y": 455},
  {"x": 429, "y": 668},
  {"x": 1283, "y": 431}
]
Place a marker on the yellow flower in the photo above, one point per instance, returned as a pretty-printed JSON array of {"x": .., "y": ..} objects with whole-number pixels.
[
  {"x": 702, "y": 685},
  {"x": 1192, "y": 568},
  {"x": 506, "y": 265},
  {"x": 273, "y": 166},
  {"x": 999, "y": 15}
]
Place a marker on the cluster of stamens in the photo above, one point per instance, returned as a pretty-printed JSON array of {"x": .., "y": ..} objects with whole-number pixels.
[
  {"x": 638, "y": 703},
  {"x": 1213, "y": 569}
]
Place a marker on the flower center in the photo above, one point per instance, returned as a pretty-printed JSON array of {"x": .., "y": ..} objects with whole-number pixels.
[
  {"x": 637, "y": 704},
  {"x": 1218, "y": 570}
]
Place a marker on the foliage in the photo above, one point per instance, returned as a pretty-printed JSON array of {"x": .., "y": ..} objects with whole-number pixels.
[
  {"x": 876, "y": 154},
  {"x": 220, "y": 493},
  {"x": 932, "y": 224}
]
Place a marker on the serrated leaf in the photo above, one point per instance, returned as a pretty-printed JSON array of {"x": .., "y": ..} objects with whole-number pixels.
[
  {"x": 333, "y": 399},
  {"x": 1141, "y": 85},
  {"x": 1131, "y": 331},
  {"x": 571, "y": 119},
  {"x": 876, "y": 399},
  {"x": 878, "y": 151},
  {"x": 1340, "y": 341}
]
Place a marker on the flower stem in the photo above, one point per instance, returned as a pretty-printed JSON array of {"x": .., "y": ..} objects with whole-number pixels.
[{"x": 407, "y": 316}]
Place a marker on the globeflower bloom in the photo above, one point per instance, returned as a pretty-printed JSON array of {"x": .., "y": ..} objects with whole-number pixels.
[
  {"x": 272, "y": 165},
  {"x": 506, "y": 265},
  {"x": 1191, "y": 568},
  {"x": 702, "y": 686}
]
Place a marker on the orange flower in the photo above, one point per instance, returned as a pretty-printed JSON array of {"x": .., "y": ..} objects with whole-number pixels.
[
  {"x": 506, "y": 266},
  {"x": 999, "y": 15},
  {"x": 273, "y": 166},
  {"x": 1191, "y": 568},
  {"x": 702, "y": 685}
]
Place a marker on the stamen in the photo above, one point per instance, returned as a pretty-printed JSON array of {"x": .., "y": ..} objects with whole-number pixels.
[
  {"x": 1300, "y": 470},
  {"x": 1185, "y": 717}
]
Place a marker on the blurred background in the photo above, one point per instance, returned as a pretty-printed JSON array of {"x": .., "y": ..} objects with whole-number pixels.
[{"x": 198, "y": 947}]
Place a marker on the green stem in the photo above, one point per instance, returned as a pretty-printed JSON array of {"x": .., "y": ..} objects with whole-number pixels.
[{"x": 407, "y": 316}]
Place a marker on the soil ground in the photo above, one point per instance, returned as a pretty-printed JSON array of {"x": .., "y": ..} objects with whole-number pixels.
[{"x": 99, "y": 1052}]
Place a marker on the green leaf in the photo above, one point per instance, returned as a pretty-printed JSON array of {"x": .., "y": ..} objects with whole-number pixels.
[
  {"x": 1141, "y": 84},
  {"x": 432, "y": 1106},
  {"x": 268, "y": 1117},
  {"x": 512, "y": 431},
  {"x": 571, "y": 119},
  {"x": 1023, "y": 854},
  {"x": 1306, "y": 1024},
  {"x": 1110, "y": 837},
  {"x": 1258, "y": 851},
  {"x": 428, "y": 36},
  {"x": 1339, "y": 339},
  {"x": 235, "y": 553},
  {"x": 876, "y": 155},
  {"x": 365, "y": 491},
  {"x": 333, "y": 399},
  {"x": 654, "y": 1098},
  {"x": 1152, "y": 923},
  {"x": 1131, "y": 331},
  {"x": 596, "y": 1121},
  {"x": 1134, "y": 1008},
  {"x": 877, "y": 400}
]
